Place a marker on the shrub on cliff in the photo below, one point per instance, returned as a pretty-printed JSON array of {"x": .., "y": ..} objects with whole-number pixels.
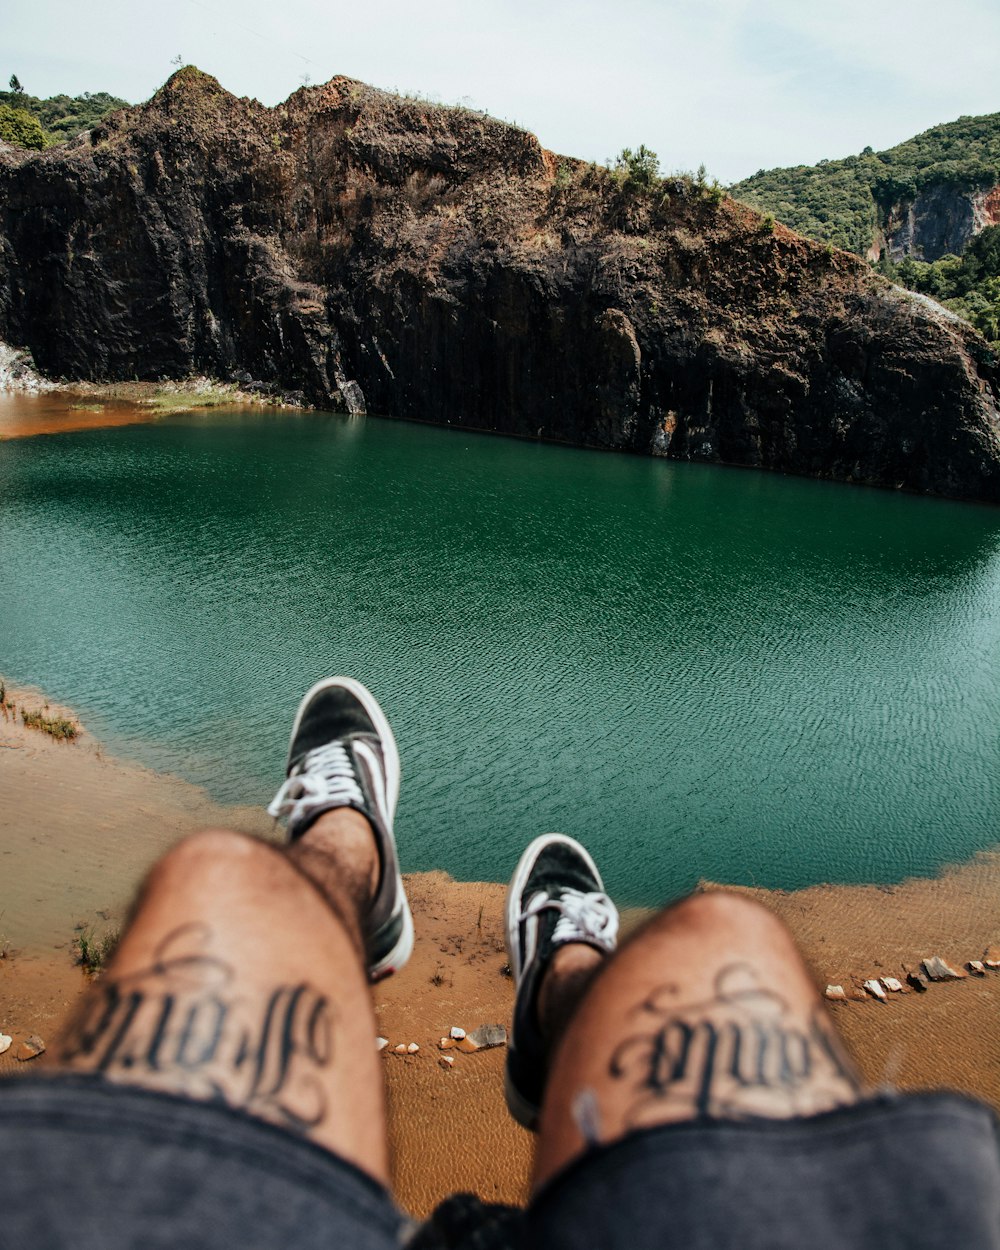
[
  {"x": 63, "y": 116},
  {"x": 638, "y": 170},
  {"x": 17, "y": 126}
]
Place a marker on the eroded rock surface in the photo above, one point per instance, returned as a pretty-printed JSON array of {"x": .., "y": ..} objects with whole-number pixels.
[{"x": 398, "y": 257}]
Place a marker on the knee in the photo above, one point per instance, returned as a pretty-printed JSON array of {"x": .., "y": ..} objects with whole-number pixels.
[
  {"x": 721, "y": 911},
  {"x": 215, "y": 853}
]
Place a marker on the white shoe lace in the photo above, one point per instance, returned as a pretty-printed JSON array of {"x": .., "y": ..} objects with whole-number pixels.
[
  {"x": 585, "y": 917},
  {"x": 325, "y": 778}
]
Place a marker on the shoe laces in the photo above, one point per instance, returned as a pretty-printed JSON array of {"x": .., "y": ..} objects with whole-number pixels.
[
  {"x": 585, "y": 917},
  {"x": 325, "y": 778}
]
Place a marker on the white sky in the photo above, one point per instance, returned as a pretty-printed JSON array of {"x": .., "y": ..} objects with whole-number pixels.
[{"x": 737, "y": 84}]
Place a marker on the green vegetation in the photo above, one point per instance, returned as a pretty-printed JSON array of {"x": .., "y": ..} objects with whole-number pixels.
[
  {"x": 58, "y": 727},
  {"x": 638, "y": 170},
  {"x": 53, "y": 119},
  {"x": 843, "y": 202},
  {"x": 969, "y": 284},
  {"x": 93, "y": 953},
  {"x": 19, "y": 127}
]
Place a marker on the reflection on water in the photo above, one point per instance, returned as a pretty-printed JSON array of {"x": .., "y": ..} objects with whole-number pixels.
[{"x": 700, "y": 671}]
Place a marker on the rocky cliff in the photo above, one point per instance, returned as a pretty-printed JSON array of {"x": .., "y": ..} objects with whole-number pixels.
[
  {"x": 436, "y": 264},
  {"x": 938, "y": 221}
]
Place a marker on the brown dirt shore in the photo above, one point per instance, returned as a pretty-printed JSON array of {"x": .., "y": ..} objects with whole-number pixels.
[{"x": 78, "y": 828}]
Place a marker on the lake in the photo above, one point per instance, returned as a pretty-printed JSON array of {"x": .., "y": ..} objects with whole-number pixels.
[{"x": 699, "y": 671}]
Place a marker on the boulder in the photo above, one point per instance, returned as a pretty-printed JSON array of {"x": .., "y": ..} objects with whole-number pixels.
[
  {"x": 991, "y": 957},
  {"x": 412, "y": 1048},
  {"x": 836, "y": 992},
  {"x": 400, "y": 1049},
  {"x": 447, "y": 1061},
  {"x": 892, "y": 984},
  {"x": 456, "y": 1033},
  {"x": 976, "y": 967},
  {"x": 875, "y": 989},
  {"x": 918, "y": 982},
  {"x": 5, "y": 1042},
  {"x": 381, "y": 1043}
]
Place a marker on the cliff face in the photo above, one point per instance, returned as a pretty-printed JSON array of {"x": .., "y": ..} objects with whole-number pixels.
[
  {"x": 432, "y": 263},
  {"x": 939, "y": 221}
]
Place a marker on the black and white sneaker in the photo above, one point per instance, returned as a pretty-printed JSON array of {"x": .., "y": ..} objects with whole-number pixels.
[
  {"x": 342, "y": 754},
  {"x": 555, "y": 896}
]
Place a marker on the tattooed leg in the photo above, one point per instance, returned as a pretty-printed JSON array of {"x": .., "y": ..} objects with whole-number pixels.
[
  {"x": 709, "y": 1013},
  {"x": 240, "y": 979}
]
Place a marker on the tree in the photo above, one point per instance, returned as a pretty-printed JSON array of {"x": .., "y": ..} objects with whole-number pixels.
[{"x": 15, "y": 85}]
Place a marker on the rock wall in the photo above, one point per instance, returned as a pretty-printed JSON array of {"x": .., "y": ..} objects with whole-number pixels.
[
  {"x": 938, "y": 222},
  {"x": 430, "y": 263}
]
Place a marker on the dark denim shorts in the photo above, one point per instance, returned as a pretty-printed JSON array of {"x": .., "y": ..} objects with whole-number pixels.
[{"x": 92, "y": 1166}]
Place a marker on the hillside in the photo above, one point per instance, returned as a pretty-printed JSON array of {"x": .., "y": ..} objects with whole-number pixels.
[
  {"x": 924, "y": 198},
  {"x": 391, "y": 255}
]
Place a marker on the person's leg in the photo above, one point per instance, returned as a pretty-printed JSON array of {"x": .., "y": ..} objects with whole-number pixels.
[
  {"x": 707, "y": 1013},
  {"x": 241, "y": 976}
]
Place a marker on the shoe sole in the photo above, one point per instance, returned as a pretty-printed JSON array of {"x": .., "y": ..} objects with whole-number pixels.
[
  {"x": 516, "y": 888},
  {"x": 526, "y": 1113},
  {"x": 401, "y": 952}
]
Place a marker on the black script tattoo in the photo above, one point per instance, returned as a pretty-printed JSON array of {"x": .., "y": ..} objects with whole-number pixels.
[
  {"x": 180, "y": 1025},
  {"x": 739, "y": 1054}
]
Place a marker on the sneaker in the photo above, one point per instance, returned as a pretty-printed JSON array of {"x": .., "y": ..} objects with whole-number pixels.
[
  {"x": 555, "y": 896},
  {"x": 342, "y": 754}
]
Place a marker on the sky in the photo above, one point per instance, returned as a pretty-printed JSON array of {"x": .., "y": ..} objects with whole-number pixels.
[{"x": 736, "y": 85}]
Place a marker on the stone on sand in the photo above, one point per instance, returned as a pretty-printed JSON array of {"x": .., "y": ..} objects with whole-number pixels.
[
  {"x": 835, "y": 992},
  {"x": 447, "y": 1061},
  {"x": 892, "y": 984},
  {"x": 938, "y": 970},
  {"x": 489, "y": 1035},
  {"x": 875, "y": 989},
  {"x": 456, "y": 1034},
  {"x": 30, "y": 1048},
  {"x": 412, "y": 1048}
]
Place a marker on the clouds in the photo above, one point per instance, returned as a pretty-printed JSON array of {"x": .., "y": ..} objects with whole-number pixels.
[{"x": 735, "y": 84}]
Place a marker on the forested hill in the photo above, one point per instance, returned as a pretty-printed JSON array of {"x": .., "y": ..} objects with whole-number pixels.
[
  {"x": 31, "y": 122},
  {"x": 856, "y": 203}
]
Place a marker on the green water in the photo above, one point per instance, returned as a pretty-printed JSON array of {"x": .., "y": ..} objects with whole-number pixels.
[{"x": 698, "y": 671}]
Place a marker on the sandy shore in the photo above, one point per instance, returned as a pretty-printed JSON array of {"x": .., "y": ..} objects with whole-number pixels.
[{"x": 78, "y": 828}]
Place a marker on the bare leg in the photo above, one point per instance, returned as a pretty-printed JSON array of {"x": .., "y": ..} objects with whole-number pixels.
[
  {"x": 708, "y": 1013},
  {"x": 241, "y": 979}
]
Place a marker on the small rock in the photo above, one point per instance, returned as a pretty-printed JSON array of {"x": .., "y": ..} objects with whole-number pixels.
[
  {"x": 893, "y": 985},
  {"x": 5, "y": 1042},
  {"x": 835, "y": 992},
  {"x": 381, "y": 1043},
  {"x": 30, "y": 1048},
  {"x": 446, "y": 1043},
  {"x": 976, "y": 966},
  {"x": 456, "y": 1033},
  {"x": 875, "y": 989},
  {"x": 467, "y": 1045},
  {"x": 991, "y": 957},
  {"x": 412, "y": 1048},
  {"x": 918, "y": 982},
  {"x": 938, "y": 970},
  {"x": 400, "y": 1049},
  {"x": 447, "y": 1061},
  {"x": 489, "y": 1035}
]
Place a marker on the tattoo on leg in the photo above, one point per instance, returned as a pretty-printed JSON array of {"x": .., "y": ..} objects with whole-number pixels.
[
  {"x": 179, "y": 1025},
  {"x": 739, "y": 1054}
]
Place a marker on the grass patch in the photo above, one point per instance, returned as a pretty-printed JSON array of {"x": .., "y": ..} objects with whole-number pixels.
[
  {"x": 92, "y": 952},
  {"x": 86, "y": 408},
  {"x": 58, "y": 727},
  {"x": 170, "y": 399}
]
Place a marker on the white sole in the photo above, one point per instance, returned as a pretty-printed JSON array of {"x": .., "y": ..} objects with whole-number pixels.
[{"x": 400, "y": 953}]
